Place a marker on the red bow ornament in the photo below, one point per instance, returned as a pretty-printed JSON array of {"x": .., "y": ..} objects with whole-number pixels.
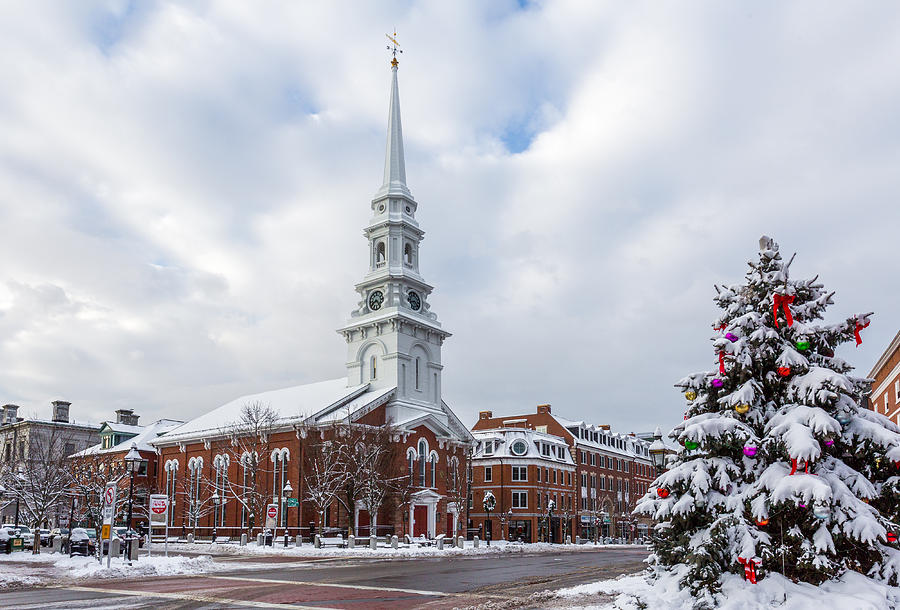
[
  {"x": 783, "y": 300},
  {"x": 722, "y": 363},
  {"x": 859, "y": 327},
  {"x": 799, "y": 465},
  {"x": 750, "y": 566}
]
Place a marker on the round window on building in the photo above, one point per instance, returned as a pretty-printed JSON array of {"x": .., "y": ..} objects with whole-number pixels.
[{"x": 519, "y": 447}]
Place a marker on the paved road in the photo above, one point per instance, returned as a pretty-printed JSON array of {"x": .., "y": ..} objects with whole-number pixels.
[{"x": 394, "y": 584}]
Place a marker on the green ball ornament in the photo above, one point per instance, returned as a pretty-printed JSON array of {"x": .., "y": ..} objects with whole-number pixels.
[
  {"x": 691, "y": 445},
  {"x": 802, "y": 345}
]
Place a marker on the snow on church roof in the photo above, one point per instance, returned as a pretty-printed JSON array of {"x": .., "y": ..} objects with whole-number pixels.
[{"x": 293, "y": 404}]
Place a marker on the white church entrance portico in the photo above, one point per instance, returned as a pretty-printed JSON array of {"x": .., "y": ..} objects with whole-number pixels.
[{"x": 423, "y": 513}]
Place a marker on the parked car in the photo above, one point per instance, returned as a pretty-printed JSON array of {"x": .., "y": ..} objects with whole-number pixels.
[
  {"x": 27, "y": 536},
  {"x": 45, "y": 537},
  {"x": 6, "y": 534},
  {"x": 122, "y": 534},
  {"x": 82, "y": 542},
  {"x": 57, "y": 532}
]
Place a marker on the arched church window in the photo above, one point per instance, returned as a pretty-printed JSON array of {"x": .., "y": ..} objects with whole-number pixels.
[
  {"x": 379, "y": 254},
  {"x": 423, "y": 460},
  {"x": 408, "y": 255},
  {"x": 434, "y": 469},
  {"x": 418, "y": 387},
  {"x": 372, "y": 368},
  {"x": 411, "y": 456}
]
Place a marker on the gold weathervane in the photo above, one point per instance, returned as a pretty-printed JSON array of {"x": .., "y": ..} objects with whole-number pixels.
[{"x": 394, "y": 47}]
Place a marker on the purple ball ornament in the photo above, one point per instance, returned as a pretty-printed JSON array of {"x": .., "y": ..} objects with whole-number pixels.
[
  {"x": 731, "y": 337},
  {"x": 750, "y": 450},
  {"x": 717, "y": 383},
  {"x": 829, "y": 441}
]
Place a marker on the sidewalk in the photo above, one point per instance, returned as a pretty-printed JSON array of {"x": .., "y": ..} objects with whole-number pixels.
[{"x": 383, "y": 551}]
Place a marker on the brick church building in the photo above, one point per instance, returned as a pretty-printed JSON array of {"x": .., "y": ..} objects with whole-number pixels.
[{"x": 262, "y": 445}]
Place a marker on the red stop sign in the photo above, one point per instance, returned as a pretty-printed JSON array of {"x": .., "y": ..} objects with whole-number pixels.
[{"x": 272, "y": 512}]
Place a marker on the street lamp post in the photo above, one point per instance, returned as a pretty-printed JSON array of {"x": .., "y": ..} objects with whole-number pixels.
[
  {"x": 216, "y": 502},
  {"x": 550, "y": 506},
  {"x": 658, "y": 452},
  {"x": 489, "y": 503},
  {"x": 509, "y": 516},
  {"x": 285, "y": 494},
  {"x": 133, "y": 461}
]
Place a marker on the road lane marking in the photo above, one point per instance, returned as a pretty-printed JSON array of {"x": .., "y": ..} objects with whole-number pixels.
[
  {"x": 209, "y": 599},
  {"x": 330, "y": 584}
]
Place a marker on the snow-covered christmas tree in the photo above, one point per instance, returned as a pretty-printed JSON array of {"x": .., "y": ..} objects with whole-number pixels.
[{"x": 780, "y": 468}]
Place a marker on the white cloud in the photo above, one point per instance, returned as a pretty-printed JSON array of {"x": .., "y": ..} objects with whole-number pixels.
[{"x": 183, "y": 186}]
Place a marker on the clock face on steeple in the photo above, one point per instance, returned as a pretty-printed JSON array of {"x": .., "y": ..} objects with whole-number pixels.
[
  {"x": 414, "y": 301},
  {"x": 375, "y": 300}
]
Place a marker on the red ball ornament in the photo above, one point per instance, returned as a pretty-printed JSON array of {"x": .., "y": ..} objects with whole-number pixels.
[
  {"x": 662, "y": 492},
  {"x": 784, "y": 371},
  {"x": 762, "y": 522},
  {"x": 892, "y": 537}
]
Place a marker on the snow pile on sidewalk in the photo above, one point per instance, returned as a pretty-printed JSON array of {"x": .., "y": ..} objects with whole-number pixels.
[
  {"x": 23, "y": 569},
  {"x": 386, "y": 552},
  {"x": 853, "y": 591}
]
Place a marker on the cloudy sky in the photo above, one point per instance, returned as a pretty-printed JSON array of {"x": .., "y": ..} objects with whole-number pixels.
[{"x": 183, "y": 188}]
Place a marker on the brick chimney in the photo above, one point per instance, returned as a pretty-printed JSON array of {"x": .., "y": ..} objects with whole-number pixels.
[
  {"x": 127, "y": 417},
  {"x": 61, "y": 411},
  {"x": 485, "y": 414},
  {"x": 10, "y": 414},
  {"x": 543, "y": 409}
]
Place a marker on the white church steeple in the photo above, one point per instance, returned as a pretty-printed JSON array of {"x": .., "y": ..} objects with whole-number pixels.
[
  {"x": 393, "y": 337},
  {"x": 394, "y": 163}
]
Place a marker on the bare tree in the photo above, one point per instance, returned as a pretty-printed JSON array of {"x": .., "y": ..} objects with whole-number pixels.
[
  {"x": 249, "y": 447},
  {"x": 325, "y": 472},
  {"x": 39, "y": 481},
  {"x": 378, "y": 456}
]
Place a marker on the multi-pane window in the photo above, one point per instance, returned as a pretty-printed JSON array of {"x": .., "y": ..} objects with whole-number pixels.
[
  {"x": 627, "y": 466},
  {"x": 593, "y": 459},
  {"x": 519, "y": 473},
  {"x": 488, "y": 474},
  {"x": 520, "y": 499},
  {"x": 554, "y": 477},
  {"x": 195, "y": 466},
  {"x": 584, "y": 479},
  {"x": 280, "y": 459},
  {"x": 220, "y": 463},
  {"x": 433, "y": 469},
  {"x": 171, "y": 482}
]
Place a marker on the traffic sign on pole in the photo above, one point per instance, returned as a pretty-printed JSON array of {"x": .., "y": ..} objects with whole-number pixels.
[
  {"x": 271, "y": 515},
  {"x": 109, "y": 512}
]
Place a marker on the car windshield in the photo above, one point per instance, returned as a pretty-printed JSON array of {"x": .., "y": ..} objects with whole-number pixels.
[
  {"x": 24, "y": 530},
  {"x": 91, "y": 533}
]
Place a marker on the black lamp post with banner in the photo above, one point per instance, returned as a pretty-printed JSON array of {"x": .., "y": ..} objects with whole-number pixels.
[
  {"x": 285, "y": 494},
  {"x": 489, "y": 503}
]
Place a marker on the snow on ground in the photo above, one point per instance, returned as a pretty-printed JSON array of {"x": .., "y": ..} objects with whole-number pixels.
[
  {"x": 386, "y": 552},
  {"x": 852, "y": 592},
  {"x": 25, "y": 569}
]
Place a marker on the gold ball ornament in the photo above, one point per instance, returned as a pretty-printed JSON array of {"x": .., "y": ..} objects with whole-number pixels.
[
  {"x": 742, "y": 408},
  {"x": 690, "y": 394}
]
